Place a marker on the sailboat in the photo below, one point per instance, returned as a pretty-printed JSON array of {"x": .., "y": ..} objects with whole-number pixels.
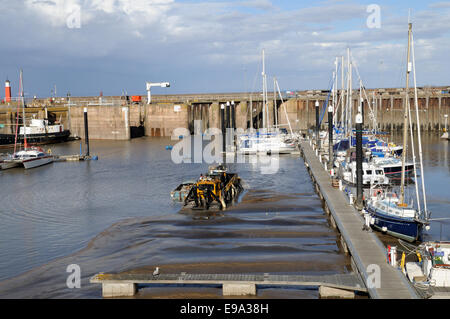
[
  {"x": 381, "y": 153},
  {"x": 389, "y": 212},
  {"x": 268, "y": 139},
  {"x": 29, "y": 157}
]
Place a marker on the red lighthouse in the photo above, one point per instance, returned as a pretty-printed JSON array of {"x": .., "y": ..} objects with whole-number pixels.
[{"x": 7, "y": 91}]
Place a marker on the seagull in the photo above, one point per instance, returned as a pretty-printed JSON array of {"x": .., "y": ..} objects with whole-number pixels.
[{"x": 156, "y": 272}]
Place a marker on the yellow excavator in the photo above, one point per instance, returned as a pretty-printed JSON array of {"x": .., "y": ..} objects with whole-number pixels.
[{"x": 217, "y": 188}]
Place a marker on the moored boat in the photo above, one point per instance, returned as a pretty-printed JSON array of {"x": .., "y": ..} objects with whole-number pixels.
[
  {"x": 392, "y": 214},
  {"x": 372, "y": 174},
  {"x": 393, "y": 166},
  {"x": 433, "y": 265},
  {"x": 270, "y": 138},
  {"x": 397, "y": 219},
  {"x": 28, "y": 158},
  {"x": 38, "y": 132}
]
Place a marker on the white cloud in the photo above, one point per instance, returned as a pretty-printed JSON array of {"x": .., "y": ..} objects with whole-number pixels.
[
  {"x": 218, "y": 37},
  {"x": 444, "y": 4},
  {"x": 142, "y": 12}
]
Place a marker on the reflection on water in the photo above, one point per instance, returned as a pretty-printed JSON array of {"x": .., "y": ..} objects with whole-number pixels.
[{"x": 66, "y": 210}]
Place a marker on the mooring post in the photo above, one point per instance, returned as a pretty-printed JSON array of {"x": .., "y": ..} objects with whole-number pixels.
[
  {"x": 228, "y": 124},
  {"x": 86, "y": 130},
  {"x": 359, "y": 160},
  {"x": 233, "y": 122},
  {"x": 69, "y": 123},
  {"x": 317, "y": 125},
  {"x": 222, "y": 115},
  {"x": 330, "y": 138},
  {"x": 362, "y": 111},
  {"x": 233, "y": 115}
]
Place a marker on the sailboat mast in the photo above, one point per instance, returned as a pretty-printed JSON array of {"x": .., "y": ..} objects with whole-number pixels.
[
  {"x": 426, "y": 214},
  {"x": 251, "y": 112},
  {"x": 342, "y": 92},
  {"x": 335, "y": 87},
  {"x": 264, "y": 90},
  {"x": 275, "y": 111},
  {"x": 405, "y": 118},
  {"x": 350, "y": 102},
  {"x": 284, "y": 108},
  {"x": 23, "y": 111}
]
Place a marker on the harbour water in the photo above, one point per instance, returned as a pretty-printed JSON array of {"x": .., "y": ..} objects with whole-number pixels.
[{"x": 115, "y": 215}]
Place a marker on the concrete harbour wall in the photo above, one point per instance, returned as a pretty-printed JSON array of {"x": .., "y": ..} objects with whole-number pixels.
[{"x": 113, "y": 117}]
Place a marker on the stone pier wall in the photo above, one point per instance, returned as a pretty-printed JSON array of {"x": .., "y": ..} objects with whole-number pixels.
[
  {"x": 105, "y": 122},
  {"x": 112, "y": 117}
]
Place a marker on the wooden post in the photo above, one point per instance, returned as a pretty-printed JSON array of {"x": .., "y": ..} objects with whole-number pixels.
[
  {"x": 392, "y": 112},
  {"x": 86, "y": 130},
  {"x": 359, "y": 160},
  {"x": 222, "y": 117},
  {"x": 427, "y": 98},
  {"x": 307, "y": 114},
  {"x": 317, "y": 125},
  {"x": 439, "y": 115}
]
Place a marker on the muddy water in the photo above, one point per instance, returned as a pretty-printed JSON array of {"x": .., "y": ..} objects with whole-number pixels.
[{"x": 115, "y": 215}]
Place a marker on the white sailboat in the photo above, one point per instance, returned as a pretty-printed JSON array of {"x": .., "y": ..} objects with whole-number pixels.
[
  {"x": 268, "y": 139},
  {"x": 393, "y": 215},
  {"x": 29, "y": 157}
]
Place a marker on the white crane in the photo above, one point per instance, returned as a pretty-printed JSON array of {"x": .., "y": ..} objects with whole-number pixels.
[{"x": 150, "y": 84}]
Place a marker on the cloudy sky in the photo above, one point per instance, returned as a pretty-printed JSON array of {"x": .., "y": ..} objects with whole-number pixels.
[{"x": 88, "y": 46}]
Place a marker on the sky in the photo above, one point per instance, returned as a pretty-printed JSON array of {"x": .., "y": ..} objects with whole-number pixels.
[{"x": 113, "y": 46}]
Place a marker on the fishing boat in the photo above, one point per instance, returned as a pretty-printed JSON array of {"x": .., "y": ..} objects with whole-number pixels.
[
  {"x": 390, "y": 213},
  {"x": 39, "y": 131},
  {"x": 215, "y": 190}
]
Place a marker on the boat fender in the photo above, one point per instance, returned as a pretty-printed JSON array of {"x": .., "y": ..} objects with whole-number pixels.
[
  {"x": 169, "y": 147},
  {"x": 402, "y": 262},
  {"x": 95, "y": 157}
]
